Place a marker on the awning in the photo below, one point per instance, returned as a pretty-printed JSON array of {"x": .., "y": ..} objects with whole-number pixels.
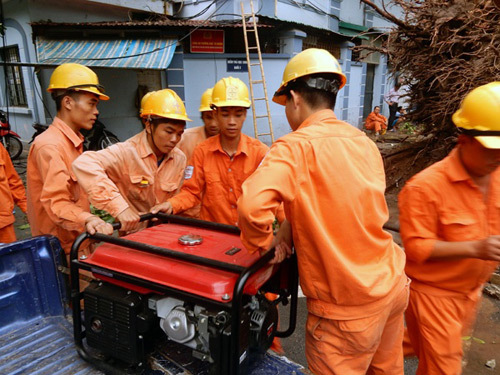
[
  {"x": 353, "y": 30},
  {"x": 116, "y": 53}
]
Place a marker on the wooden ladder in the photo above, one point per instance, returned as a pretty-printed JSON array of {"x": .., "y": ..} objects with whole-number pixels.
[{"x": 268, "y": 132}]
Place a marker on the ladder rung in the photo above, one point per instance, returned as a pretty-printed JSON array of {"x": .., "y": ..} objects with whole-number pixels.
[
  {"x": 259, "y": 98},
  {"x": 261, "y": 134},
  {"x": 262, "y": 116},
  {"x": 254, "y": 64},
  {"x": 253, "y": 47},
  {"x": 259, "y": 81}
]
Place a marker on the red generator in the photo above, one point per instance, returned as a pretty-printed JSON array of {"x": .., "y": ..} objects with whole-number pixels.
[{"x": 180, "y": 286}]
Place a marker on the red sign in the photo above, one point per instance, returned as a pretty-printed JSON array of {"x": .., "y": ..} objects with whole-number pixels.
[{"x": 207, "y": 41}]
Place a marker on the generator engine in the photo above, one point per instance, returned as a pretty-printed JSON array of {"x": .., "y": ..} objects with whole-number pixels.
[
  {"x": 125, "y": 324},
  {"x": 174, "y": 284}
]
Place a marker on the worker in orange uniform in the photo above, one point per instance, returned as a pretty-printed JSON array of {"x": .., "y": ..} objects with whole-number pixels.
[
  {"x": 450, "y": 226},
  {"x": 192, "y": 137},
  {"x": 376, "y": 121},
  {"x": 56, "y": 204},
  {"x": 11, "y": 192},
  {"x": 330, "y": 177},
  {"x": 221, "y": 163},
  {"x": 129, "y": 178}
]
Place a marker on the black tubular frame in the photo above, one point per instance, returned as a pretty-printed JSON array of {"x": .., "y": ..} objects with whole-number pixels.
[{"x": 234, "y": 306}]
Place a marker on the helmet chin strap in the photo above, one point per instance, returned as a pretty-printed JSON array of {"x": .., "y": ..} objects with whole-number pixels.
[
  {"x": 150, "y": 121},
  {"x": 479, "y": 133}
]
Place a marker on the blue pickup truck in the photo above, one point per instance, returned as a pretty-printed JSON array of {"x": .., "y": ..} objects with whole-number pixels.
[{"x": 38, "y": 333}]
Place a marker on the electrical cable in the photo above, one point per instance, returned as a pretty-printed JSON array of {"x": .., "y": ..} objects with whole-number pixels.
[
  {"x": 41, "y": 98},
  {"x": 4, "y": 60}
]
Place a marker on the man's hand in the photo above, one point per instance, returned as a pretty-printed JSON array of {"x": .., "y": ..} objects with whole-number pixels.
[
  {"x": 163, "y": 207},
  {"x": 488, "y": 249},
  {"x": 282, "y": 243},
  {"x": 95, "y": 225},
  {"x": 128, "y": 219}
]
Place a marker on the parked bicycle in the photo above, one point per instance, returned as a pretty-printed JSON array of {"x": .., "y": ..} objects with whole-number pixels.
[
  {"x": 10, "y": 139},
  {"x": 96, "y": 138}
]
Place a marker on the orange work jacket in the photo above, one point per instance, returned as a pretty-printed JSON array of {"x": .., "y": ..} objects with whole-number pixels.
[
  {"x": 11, "y": 189},
  {"x": 442, "y": 203},
  {"x": 127, "y": 175},
  {"x": 56, "y": 204},
  {"x": 215, "y": 179},
  {"x": 330, "y": 177},
  {"x": 191, "y": 138},
  {"x": 375, "y": 121}
]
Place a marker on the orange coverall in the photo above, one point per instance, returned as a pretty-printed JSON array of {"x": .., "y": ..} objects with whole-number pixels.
[
  {"x": 191, "y": 138},
  {"x": 330, "y": 177},
  {"x": 127, "y": 175},
  {"x": 376, "y": 121},
  {"x": 56, "y": 204},
  {"x": 442, "y": 203},
  {"x": 215, "y": 179},
  {"x": 11, "y": 191}
]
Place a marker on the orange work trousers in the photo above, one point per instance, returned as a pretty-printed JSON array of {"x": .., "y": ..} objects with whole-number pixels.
[
  {"x": 436, "y": 325},
  {"x": 7, "y": 234},
  {"x": 371, "y": 345}
]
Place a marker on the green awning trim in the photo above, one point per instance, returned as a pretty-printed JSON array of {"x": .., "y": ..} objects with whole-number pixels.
[{"x": 353, "y": 30}]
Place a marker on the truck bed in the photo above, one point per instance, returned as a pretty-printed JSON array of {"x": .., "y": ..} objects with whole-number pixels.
[{"x": 43, "y": 346}]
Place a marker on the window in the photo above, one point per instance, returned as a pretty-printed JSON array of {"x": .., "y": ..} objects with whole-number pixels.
[{"x": 14, "y": 79}]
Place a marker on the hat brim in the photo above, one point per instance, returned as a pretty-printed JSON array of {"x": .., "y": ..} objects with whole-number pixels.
[
  {"x": 489, "y": 142},
  {"x": 279, "y": 99}
]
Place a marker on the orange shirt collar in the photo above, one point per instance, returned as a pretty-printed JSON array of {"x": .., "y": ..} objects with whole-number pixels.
[
  {"x": 76, "y": 139},
  {"x": 145, "y": 149},
  {"x": 242, "y": 145},
  {"x": 317, "y": 117},
  {"x": 454, "y": 168}
]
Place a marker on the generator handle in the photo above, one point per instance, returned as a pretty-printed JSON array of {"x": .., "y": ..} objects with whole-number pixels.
[
  {"x": 294, "y": 287},
  {"x": 185, "y": 221}
]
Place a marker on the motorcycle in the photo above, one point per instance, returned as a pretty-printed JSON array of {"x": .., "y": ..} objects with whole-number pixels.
[
  {"x": 96, "y": 138},
  {"x": 10, "y": 139}
]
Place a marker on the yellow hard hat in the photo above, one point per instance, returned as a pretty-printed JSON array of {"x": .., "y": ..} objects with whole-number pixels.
[
  {"x": 479, "y": 115},
  {"x": 206, "y": 100},
  {"x": 230, "y": 92},
  {"x": 164, "y": 103},
  {"x": 144, "y": 98},
  {"x": 76, "y": 77},
  {"x": 309, "y": 61}
]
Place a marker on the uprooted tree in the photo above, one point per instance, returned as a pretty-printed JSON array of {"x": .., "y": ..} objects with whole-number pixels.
[{"x": 442, "y": 49}]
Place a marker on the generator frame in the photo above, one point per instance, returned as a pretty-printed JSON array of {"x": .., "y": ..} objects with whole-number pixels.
[{"x": 234, "y": 306}]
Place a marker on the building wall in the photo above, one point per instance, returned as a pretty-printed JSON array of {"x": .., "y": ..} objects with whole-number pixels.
[
  {"x": 18, "y": 33},
  {"x": 119, "y": 115},
  {"x": 213, "y": 67}
]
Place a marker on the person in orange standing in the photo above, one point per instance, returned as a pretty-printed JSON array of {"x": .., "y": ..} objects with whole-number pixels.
[
  {"x": 330, "y": 177},
  {"x": 56, "y": 204},
  {"x": 129, "y": 178},
  {"x": 376, "y": 121},
  {"x": 450, "y": 227},
  {"x": 221, "y": 163},
  {"x": 11, "y": 192},
  {"x": 192, "y": 137}
]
